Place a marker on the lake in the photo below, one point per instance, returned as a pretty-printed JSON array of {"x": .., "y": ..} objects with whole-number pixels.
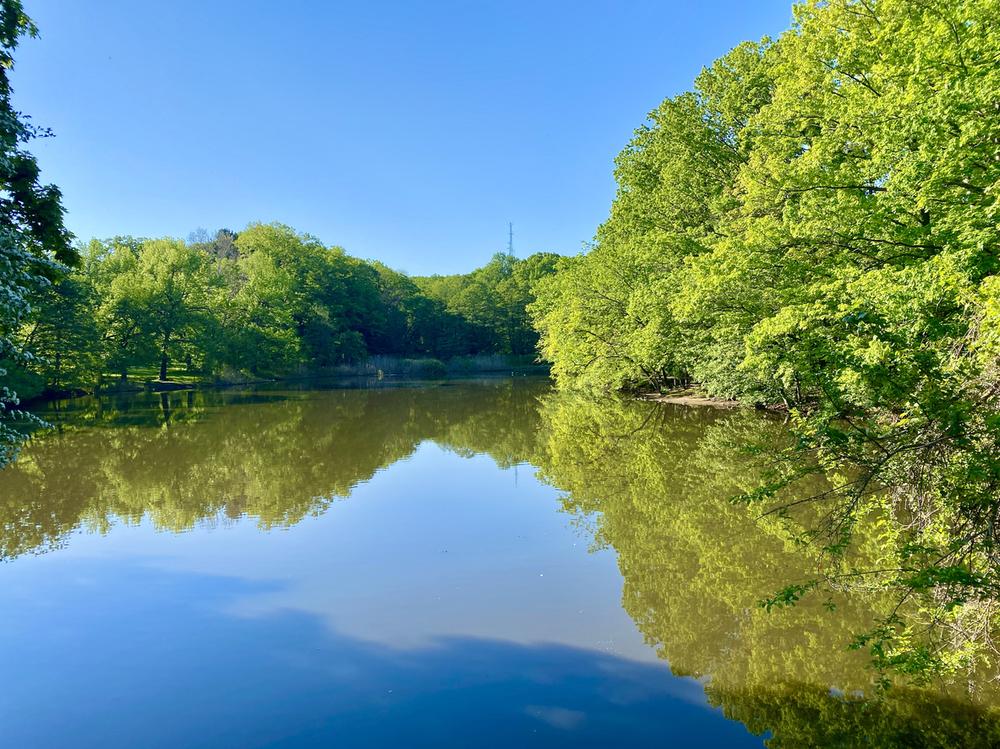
[{"x": 463, "y": 564}]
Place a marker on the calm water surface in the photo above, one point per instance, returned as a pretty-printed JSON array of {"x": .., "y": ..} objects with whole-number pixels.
[{"x": 478, "y": 564}]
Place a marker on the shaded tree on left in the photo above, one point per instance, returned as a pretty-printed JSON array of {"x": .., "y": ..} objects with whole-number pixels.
[{"x": 34, "y": 243}]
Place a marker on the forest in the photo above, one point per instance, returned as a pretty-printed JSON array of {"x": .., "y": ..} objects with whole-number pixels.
[
  {"x": 813, "y": 228},
  {"x": 263, "y": 302}
]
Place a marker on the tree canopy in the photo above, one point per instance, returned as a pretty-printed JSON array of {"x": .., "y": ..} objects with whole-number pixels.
[
  {"x": 814, "y": 227},
  {"x": 34, "y": 244},
  {"x": 264, "y": 301}
]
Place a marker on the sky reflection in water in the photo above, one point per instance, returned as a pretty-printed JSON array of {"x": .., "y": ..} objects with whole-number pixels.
[
  {"x": 446, "y": 602},
  {"x": 477, "y": 564}
]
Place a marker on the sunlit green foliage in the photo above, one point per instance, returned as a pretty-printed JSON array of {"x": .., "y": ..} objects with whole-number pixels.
[
  {"x": 169, "y": 291},
  {"x": 290, "y": 286},
  {"x": 815, "y": 226},
  {"x": 262, "y": 302},
  {"x": 124, "y": 342}
]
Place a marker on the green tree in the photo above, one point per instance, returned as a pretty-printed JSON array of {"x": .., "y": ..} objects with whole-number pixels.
[
  {"x": 517, "y": 293},
  {"x": 814, "y": 227},
  {"x": 160, "y": 301},
  {"x": 328, "y": 300},
  {"x": 610, "y": 318},
  {"x": 33, "y": 241},
  {"x": 62, "y": 333},
  {"x": 124, "y": 343}
]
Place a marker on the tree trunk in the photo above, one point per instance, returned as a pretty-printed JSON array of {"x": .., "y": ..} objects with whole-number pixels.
[{"x": 164, "y": 359}]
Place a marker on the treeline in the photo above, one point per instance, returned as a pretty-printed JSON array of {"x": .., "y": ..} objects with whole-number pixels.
[
  {"x": 265, "y": 301},
  {"x": 493, "y": 300},
  {"x": 815, "y": 226},
  {"x": 815, "y": 219}
]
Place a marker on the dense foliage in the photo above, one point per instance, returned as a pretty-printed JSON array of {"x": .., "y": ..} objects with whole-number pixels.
[
  {"x": 494, "y": 300},
  {"x": 266, "y": 301},
  {"x": 815, "y": 226},
  {"x": 33, "y": 241}
]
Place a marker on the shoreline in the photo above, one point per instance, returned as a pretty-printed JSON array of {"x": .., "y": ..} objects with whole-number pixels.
[
  {"x": 689, "y": 397},
  {"x": 388, "y": 377}
]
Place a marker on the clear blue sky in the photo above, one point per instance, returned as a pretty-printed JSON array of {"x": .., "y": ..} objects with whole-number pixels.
[{"x": 410, "y": 132}]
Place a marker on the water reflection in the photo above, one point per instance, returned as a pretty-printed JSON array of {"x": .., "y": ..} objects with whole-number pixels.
[
  {"x": 275, "y": 456},
  {"x": 648, "y": 481},
  {"x": 154, "y": 664},
  {"x": 695, "y": 566}
]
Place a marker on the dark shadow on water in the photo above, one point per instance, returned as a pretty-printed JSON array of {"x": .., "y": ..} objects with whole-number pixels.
[{"x": 159, "y": 664}]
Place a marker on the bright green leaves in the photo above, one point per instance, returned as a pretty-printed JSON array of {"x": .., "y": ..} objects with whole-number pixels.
[
  {"x": 266, "y": 301},
  {"x": 157, "y": 302},
  {"x": 616, "y": 317},
  {"x": 816, "y": 226}
]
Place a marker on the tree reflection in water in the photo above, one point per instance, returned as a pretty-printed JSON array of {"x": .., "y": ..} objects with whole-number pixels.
[{"x": 652, "y": 480}]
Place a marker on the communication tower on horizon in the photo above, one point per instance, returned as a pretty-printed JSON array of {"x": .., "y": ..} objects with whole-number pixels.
[{"x": 510, "y": 239}]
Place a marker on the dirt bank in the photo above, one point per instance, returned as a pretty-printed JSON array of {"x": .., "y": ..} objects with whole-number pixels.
[{"x": 689, "y": 397}]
